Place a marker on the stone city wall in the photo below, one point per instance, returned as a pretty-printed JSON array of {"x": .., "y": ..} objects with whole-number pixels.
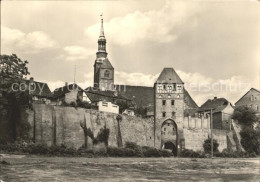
[{"x": 61, "y": 125}]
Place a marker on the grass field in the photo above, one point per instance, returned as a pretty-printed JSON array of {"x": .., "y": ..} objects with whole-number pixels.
[{"x": 41, "y": 168}]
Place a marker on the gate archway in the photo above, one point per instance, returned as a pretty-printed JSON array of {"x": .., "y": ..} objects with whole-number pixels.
[
  {"x": 172, "y": 147},
  {"x": 169, "y": 136}
]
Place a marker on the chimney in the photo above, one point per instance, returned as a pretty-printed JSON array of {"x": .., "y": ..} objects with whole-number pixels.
[
  {"x": 31, "y": 80},
  {"x": 215, "y": 98},
  {"x": 66, "y": 83}
]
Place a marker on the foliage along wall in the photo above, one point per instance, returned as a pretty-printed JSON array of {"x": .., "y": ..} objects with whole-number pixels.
[{"x": 56, "y": 125}]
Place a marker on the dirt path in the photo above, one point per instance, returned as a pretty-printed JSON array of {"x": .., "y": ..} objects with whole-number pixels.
[{"x": 38, "y": 168}]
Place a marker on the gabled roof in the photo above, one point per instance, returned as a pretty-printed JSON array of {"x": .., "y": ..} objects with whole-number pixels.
[
  {"x": 58, "y": 92},
  {"x": 247, "y": 93},
  {"x": 216, "y": 104},
  {"x": 39, "y": 89},
  {"x": 106, "y": 64},
  {"x": 168, "y": 75}
]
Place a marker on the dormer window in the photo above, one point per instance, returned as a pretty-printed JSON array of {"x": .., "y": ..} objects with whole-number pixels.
[{"x": 106, "y": 74}]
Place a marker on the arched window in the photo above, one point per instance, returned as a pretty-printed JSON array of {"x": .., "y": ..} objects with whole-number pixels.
[{"x": 106, "y": 73}]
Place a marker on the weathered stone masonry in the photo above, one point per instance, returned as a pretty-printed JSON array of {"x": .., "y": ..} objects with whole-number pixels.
[{"x": 56, "y": 125}]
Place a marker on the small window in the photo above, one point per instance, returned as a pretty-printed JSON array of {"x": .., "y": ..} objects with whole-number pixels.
[
  {"x": 159, "y": 87},
  {"x": 173, "y": 114},
  {"x": 164, "y": 87},
  {"x": 163, "y": 102},
  {"x": 169, "y": 88},
  {"x": 252, "y": 98},
  {"x": 164, "y": 129},
  {"x": 168, "y": 124},
  {"x": 172, "y": 102},
  {"x": 106, "y": 73},
  {"x": 163, "y": 114},
  {"x": 256, "y": 107}
]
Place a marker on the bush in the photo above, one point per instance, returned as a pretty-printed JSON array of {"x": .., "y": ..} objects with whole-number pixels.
[
  {"x": 237, "y": 154},
  {"x": 151, "y": 152},
  {"x": 115, "y": 152},
  {"x": 192, "y": 154},
  {"x": 207, "y": 145},
  {"x": 165, "y": 153},
  {"x": 135, "y": 148},
  {"x": 37, "y": 149}
]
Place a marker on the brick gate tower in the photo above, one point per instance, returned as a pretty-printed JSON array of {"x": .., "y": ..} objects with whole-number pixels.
[{"x": 103, "y": 69}]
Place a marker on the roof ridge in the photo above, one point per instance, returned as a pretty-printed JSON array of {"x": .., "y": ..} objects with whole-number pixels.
[{"x": 169, "y": 75}]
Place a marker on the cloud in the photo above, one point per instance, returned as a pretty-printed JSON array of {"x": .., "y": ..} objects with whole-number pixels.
[
  {"x": 14, "y": 40},
  {"x": 75, "y": 52},
  {"x": 202, "y": 87},
  {"x": 135, "y": 78},
  {"x": 154, "y": 25}
]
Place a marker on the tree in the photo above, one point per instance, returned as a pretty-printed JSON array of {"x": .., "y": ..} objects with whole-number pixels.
[
  {"x": 14, "y": 100},
  {"x": 207, "y": 145},
  {"x": 245, "y": 116},
  {"x": 250, "y": 129},
  {"x": 250, "y": 139}
]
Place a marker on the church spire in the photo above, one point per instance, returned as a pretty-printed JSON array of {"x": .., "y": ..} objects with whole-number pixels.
[
  {"x": 102, "y": 34},
  {"x": 102, "y": 41}
]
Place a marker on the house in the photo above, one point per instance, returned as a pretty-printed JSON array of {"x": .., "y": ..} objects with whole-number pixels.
[
  {"x": 108, "y": 107},
  {"x": 222, "y": 111},
  {"x": 39, "y": 91},
  {"x": 94, "y": 95},
  {"x": 250, "y": 99},
  {"x": 129, "y": 112},
  {"x": 68, "y": 94}
]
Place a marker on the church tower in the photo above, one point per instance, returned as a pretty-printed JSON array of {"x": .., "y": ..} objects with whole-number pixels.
[
  {"x": 169, "y": 111},
  {"x": 103, "y": 69}
]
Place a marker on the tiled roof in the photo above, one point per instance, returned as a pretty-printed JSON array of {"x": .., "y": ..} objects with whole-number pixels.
[
  {"x": 247, "y": 93},
  {"x": 217, "y": 104},
  {"x": 65, "y": 89},
  {"x": 39, "y": 89},
  {"x": 168, "y": 75},
  {"x": 144, "y": 96},
  {"x": 140, "y": 95},
  {"x": 96, "y": 95},
  {"x": 189, "y": 101}
]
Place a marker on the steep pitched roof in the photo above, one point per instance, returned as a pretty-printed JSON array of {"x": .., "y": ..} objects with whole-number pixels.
[
  {"x": 168, "y": 75},
  {"x": 58, "y": 92},
  {"x": 140, "y": 95},
  {"x": 144, "y": 96},
  {"x": 189, "y": 100},
  {"x": 106, "y": 64},
  {"x": 217, "y": 104},
  {"x": 246, "y": 94},
  {"x": 39, "y": 89}
]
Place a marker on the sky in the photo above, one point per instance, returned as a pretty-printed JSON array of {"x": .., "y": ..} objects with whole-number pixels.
[{"x": 213, "y": 45}]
